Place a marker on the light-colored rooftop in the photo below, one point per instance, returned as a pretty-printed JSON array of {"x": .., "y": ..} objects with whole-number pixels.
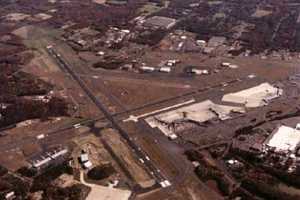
[
  {"x": 84, "y": 157},
  {"x": 254, "y": 97},
  {"x": 88, "y": 164},
  {"x": 160, "y": 21},
  {"x": 216, "y": 41},
  {"x": 285, "y": 139},
  {"x": 197, "y": 112}
]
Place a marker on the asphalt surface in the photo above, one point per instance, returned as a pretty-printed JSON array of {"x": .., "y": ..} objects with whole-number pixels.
[{"x": 151, "y": 168}]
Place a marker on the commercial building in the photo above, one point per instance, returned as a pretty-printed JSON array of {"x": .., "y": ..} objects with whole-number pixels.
[
  {"x": 160, "y": 22},
  {"x": 216, "y": 41},
  {"x": 285, "y": 139},
  {"x": 197, "y": 113},
  {"x": 50, "y": 157},
  {"x": 257, "y": 96}
]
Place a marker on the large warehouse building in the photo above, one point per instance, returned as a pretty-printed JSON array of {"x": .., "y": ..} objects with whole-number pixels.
[{"x": 284, "y": 138}]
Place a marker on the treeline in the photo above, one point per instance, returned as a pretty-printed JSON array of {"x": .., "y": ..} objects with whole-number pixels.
[{"x": 15, "y": 90}]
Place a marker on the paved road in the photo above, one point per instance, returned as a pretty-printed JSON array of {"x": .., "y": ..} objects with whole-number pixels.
[{"x": 152, "y": 169}]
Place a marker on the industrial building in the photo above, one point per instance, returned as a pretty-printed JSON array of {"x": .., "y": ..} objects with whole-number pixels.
[
  {"x": 284, "y": 139},
  {"x": 253, "y": 97},
  {"x": 197, "y": 113},
  {"x": 160, "y": 22},
  {"x": 50, "y": 157},
  {"x": 216, "y": 41}
]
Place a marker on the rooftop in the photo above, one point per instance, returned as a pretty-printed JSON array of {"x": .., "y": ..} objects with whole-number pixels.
[
  {"x": 197, "y": 112},
  {"x": 284, "y": 139},
  {"x": 254, "y": 97},
  {"x": 161, "y": 22},
  {"x": 216, "y": 41}
]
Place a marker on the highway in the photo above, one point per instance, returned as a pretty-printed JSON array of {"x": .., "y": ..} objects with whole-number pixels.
[{"x": 143, "y": 158}]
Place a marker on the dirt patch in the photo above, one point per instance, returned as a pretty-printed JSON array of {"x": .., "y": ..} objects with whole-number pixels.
[
  {"x": 13, "y": 160},
  {"x": 126, "y": 155}
]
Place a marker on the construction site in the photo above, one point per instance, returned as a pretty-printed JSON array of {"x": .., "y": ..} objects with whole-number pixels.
[{"x": 149, "y": 99}]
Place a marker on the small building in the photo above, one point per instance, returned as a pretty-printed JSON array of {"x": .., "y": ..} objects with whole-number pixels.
[
  {"x": 233, "y": 66},
  {"x": 201, "y": 42},
  {"x": 172, "y": 63},
  {"x": 10, "y": 196},
  {"x": 173, "y": 136},
  {"x": 84, "y": 160},
  {"x": 225, "y": 64},
  {"x": 160, "y": 22},
  {"x": 84, "y": 157},
  {"x": 100, "y": 53},
  {"x": 39, "y": 137},
  {"x": 87, "y": 165},
  {"x": 298, "y": 126},
  {"x": 165, "y": 69},
  {"x": 147, "y": 69},
  {"x": 200, "y": 71},
  {"x": 81, "y": 42}
]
